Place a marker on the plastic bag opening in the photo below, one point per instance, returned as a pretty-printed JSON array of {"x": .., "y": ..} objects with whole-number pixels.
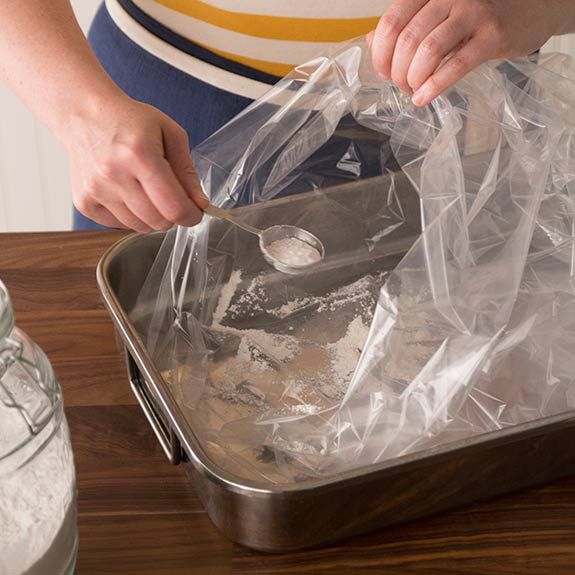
[{"x": 444, "y": 306}]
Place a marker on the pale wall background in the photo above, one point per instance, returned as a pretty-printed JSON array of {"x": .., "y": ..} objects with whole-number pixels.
[{"x": 34, "y": 186}]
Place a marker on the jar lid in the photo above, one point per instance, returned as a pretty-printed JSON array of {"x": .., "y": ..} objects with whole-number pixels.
[{"x": 6, "y": 314}]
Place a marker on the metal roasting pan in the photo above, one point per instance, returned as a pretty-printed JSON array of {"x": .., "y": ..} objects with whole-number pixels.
[{"x": 311, "y": 513}]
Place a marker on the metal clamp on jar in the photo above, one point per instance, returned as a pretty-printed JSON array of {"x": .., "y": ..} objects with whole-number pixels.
[{"x": 38, "y": 531}]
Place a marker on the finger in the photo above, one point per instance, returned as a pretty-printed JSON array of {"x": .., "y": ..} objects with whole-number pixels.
[
  {"x": 459, "y": 65},
  {"x": 87, "y": 205},
  {"x": 118, "y": 185},
  {"x": 104, "y": 217},
  {"x": 177, "y": 151},
  {"x": 166, "y": 193},
  {"x": 126, "y": 217},
  {"x": 105, "y": 195},
  {"x": 435, "y": 47},
  {"x": 388, "y": 29},
  {"x": 409, "y": 40},
  {"x": 141, "y": 206}
]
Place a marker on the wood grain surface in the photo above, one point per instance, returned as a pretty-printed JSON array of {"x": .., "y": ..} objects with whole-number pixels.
[{"x": 140, "y": 516}]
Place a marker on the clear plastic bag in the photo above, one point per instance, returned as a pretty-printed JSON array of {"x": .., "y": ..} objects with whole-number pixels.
[{"x": 445, "y": 305}]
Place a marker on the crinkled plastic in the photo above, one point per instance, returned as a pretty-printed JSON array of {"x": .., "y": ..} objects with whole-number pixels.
[{"x": 445, "y": 305}]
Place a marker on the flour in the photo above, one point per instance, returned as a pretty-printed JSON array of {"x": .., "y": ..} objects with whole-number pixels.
[
  {"x": 333, "y": 379},
  {"x": 37, "y": 506},
  {"x": 299, "y": 363},
  {"x": 294, "y": 252},
  {"x": 264, "y": 350},
  {"x": 234, "y": 303},
  {"x": 226, "y": 295},
  {"x": 309, "y": 371},
  {"x": 259, "y": 350},
  {"x": 253, "y": 297},
  {"x": 360, "y": 293},
  {"x": 292, "y": 306},
  {"x": 345, "y": 355}
]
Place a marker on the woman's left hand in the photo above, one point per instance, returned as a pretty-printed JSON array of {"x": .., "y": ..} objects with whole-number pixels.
[{"x": 414, "y": 37}]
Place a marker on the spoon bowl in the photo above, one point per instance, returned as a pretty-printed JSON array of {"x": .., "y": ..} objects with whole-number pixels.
[{"x": 289, "y": 249}]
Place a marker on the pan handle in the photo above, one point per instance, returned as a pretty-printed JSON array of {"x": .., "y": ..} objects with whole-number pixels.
[{"x": 166, "y": 436}]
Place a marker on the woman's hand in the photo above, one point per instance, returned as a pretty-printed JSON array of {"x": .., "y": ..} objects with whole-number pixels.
[
  {"x": 130, "y": 164},
  {"x": 414, "y": 37},
  {"x": 131, "y": 168}
]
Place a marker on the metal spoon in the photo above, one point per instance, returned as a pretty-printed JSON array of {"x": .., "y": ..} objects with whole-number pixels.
[{"x": 274, "y": 234}]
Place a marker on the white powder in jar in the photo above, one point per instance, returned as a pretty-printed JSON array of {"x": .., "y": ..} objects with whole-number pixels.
[
  {"x": 294, "y": 252},
  {"x": 37, "y": 504}
]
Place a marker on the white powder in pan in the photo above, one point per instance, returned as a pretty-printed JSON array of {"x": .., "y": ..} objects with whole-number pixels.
[
  {"x": 362, "y": 292},
  {"x": 226, "y": 296},
  {"x": 260, "y": 351},
  {"x": 277, "y": 348},
  {"x": 294, "y": 252},
  {"x": 254, "y": 298},
  {"x": 292, "y": 306},
  {"x": 361, "y": 295},
  {"x": 333, "y": 378},
  {"x": 345, "y": 352}
]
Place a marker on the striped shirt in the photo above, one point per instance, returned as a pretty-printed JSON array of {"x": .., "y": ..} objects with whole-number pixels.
[{"x": 270, "y": 36}]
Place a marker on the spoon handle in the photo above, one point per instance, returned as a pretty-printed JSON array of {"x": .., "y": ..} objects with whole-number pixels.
[{"x": 225, "y": 215}]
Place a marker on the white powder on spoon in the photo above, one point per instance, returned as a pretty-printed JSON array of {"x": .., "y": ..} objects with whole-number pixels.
[{"x": 294, "y": 252}]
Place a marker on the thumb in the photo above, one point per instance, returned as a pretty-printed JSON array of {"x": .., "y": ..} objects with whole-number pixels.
[{"x": 177, "y": 153}]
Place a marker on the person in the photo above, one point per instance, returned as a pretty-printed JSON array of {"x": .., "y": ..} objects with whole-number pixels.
[{"x": 159, "y": 76}]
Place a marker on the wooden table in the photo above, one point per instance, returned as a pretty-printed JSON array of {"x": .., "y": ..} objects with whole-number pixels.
[{"x": 139, "y": 515}]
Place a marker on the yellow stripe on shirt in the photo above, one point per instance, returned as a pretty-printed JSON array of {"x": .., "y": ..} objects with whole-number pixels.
[
  {"x": 271, "y": 36},
  {"x": 274, "y": 27},
  {"x": 273, "y": 68}
]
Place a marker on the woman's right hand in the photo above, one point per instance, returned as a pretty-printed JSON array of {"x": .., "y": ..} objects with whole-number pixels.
[{"x": 131, "y": 168}]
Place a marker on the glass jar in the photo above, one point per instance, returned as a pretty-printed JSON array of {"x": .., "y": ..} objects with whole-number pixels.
[{"x": 38, "y": 527}]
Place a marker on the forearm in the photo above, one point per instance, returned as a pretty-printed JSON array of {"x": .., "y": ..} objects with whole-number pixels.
[{"x": 46, "y": 60}]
